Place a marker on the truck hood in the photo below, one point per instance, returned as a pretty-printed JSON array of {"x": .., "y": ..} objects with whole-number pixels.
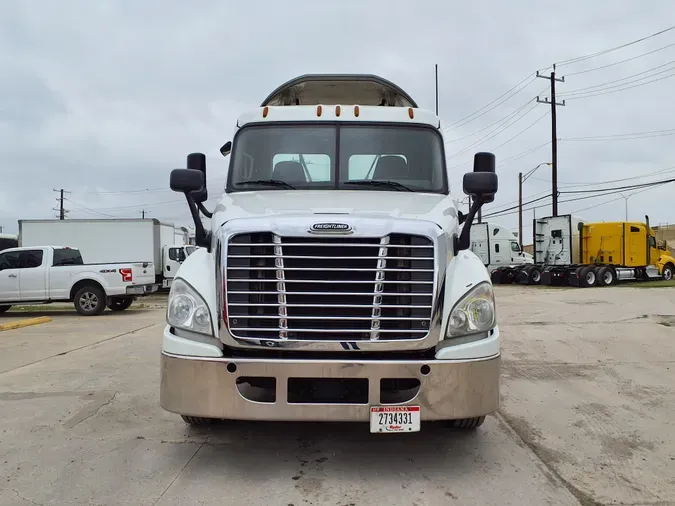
[{"x": 423, "y": 206}]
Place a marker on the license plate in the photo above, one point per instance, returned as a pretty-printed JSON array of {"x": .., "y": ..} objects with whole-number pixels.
[
  {"x": 135, "y": 290},
  {"x": 394, "y": 419}
]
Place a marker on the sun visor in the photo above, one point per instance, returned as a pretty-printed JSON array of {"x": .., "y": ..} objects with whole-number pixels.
[{"x": 339, "y": 89}]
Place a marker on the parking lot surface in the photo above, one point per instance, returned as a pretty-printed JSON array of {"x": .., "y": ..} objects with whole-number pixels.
[{"x": 587, "y": 417}]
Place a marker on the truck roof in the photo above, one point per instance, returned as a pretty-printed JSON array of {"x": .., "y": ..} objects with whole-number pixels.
[{"x": 333, "y": 89}]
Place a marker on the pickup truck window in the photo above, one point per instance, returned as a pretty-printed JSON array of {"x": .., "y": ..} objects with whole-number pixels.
[
  {"x": 67, "y": 256},
  {"x": 9, "y": 260},
  {"x": 30, "y": 259},
  {"x": 325, "y": 156}
]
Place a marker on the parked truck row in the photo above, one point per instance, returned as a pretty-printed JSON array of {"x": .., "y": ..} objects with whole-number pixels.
[
  {"x": 570, "y": 251},
  {"x": 161, "y": 244}
]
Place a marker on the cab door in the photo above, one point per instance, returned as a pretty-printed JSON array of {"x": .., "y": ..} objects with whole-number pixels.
[
  {"x": 9, "y": 276},
  {"x": 33, "y": 276}
]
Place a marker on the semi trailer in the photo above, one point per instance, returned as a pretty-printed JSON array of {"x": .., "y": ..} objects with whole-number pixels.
[
  {"x": 334, "y": 283},
  {"x": 570, "y": 251}
]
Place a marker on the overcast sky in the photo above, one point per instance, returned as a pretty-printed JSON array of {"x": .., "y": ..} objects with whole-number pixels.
[{"x": 109, "y": 96}]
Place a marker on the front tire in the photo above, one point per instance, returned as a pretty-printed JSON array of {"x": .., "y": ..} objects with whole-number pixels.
[
  {"x": 198, "y": 420},
  {"x": 120, "y": 304},
  {"x": 667, "y": 273},
  {"x": 467, "y": 423},
  {"x": 4, "y": 309},
  {"x": 89, "y": 301}
]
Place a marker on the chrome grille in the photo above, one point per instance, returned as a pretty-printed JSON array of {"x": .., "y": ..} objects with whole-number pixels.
[{"x": 329, "y": 288}]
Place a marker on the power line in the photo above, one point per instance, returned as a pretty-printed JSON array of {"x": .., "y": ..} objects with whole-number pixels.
[
  {"x": 578, "y": 59},
  {"x": 620, "y": 62},
  {"x": 486, "y": 108},
  {"x": 626, "y": 136},
  {"x": 608, "y": 90},
  {"x": 609, "y": 85},
  {"x": 631, "y": 178},
  {"x": 505, "y": 118}
]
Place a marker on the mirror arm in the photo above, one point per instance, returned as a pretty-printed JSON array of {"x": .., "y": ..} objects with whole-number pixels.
[
  {"x": 464, "y": 240},
  {"x": 201, "y": 236},
  {"x": 204, "y": 211}
]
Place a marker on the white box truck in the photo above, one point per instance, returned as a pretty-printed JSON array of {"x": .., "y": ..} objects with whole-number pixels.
[
  {"x": 115, "y": 240},
  {"x": 333, "y": 283}
]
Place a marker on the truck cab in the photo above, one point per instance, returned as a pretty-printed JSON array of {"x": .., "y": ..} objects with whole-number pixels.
[
  {"x": 173, "y": 255},
  {"x": 334, "y": 283},
  {"x": 497, "y": 246}
]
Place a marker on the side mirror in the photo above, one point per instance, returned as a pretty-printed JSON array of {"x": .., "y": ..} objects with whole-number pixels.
[
  {"x": 197, "y": 162},
  {"x": 186, "y": 180},
  {"x": 481, "y": 185},
  {"x": 227, "y": 147},
  {"x": 484, "y": 162}
]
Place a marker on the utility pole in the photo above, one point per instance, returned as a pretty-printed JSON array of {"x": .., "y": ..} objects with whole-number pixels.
[
  {"x": 520, "y": 210},
  {"x": 437, "y": 89},
  {"x": 554, "y": 135},
  {"x": 142, "y": 211},
  {"x": 61, "y": 210}
]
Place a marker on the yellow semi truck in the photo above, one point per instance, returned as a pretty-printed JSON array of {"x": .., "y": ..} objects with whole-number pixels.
[{"x": 570, "y": 251}]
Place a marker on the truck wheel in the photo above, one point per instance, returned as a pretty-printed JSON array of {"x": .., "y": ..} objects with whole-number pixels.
[
  {"x": 120, "y": 304},
  {"x": 198, "y": 420},
  {"x": 467, "y": 423},
  {"x": 588, "y": 277},
  {"x": 89, "y": 301},
  {"x": 4, "y": 309},
  {"x": 534, "y": 276},
  {"x": 667, "y": 273},
  {"x": 606, "y": 276}
]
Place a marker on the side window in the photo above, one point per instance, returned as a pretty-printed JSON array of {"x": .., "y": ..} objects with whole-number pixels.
[
  {"x": 176, "y": 254},
  {"x": 652, "y": 242},
  {"x": 496, "y": 248},
  {"x": 363, "y": 166},
  {"x": 515, "y": 247},
  {"x": 63, "y": 256},
  {"x": 9, "y": 260},
  {"x": 634, "y": 229},
  {"x": 31, "y": 258},
  {"x": 318, "y": 165}
]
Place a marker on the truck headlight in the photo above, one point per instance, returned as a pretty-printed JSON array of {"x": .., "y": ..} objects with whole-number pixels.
[
  {"x": 187, "y": 310},
  {"x": 474, "y": 313}
]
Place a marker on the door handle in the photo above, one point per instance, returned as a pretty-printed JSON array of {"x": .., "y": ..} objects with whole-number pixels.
[{"x": 11, "y": 276}]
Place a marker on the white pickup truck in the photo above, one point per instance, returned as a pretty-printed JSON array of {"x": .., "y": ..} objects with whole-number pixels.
[{"x": 41, "y": 275}]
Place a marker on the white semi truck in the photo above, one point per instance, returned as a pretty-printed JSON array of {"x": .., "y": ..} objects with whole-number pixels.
[
  {"x": 115, "y": 240},
  {"x": 497, "y": 247},
  {"x": 334, "y": 283}
]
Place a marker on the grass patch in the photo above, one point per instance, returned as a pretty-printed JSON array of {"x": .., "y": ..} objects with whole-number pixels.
[{"x": 649, "y": 284}]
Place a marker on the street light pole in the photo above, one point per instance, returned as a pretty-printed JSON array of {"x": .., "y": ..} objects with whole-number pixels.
[{"x": 520, "y": 210}]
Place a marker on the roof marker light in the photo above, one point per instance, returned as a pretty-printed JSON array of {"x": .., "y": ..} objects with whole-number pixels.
[
  {"x": 337, "y": 110},
  {"x": 411, "y": 114},
  {"x": 356, "y": 111},
  {"x": 265, "y": 111},
  {"x": 318, "y": 110}
]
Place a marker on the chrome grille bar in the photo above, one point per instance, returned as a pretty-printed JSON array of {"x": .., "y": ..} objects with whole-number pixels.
[{"x": 358, "y": 288}]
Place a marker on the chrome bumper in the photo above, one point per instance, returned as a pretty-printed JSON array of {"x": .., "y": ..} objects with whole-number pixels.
[{"x": 207, "y": 387}]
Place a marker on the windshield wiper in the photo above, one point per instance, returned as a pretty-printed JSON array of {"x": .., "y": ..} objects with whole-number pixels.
[
  {"x": 267, "y": 182},
  {"x": 391, "y": 184}
]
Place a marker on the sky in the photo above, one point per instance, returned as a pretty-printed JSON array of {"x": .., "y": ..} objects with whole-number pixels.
[{"x": 104, "y": 98}]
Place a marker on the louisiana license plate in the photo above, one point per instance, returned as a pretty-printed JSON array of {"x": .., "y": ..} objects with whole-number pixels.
[{"x": 394, "y": 419}]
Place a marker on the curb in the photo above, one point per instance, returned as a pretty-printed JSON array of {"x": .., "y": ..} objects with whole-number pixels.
[{"x": 24, "y": 323}]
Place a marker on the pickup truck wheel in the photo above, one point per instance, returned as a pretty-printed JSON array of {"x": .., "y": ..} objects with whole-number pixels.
[
  {"x": 120, "y": 304},
  {"x": 467, "y": 423},
  {"x": 198, "y": 420},
  {"x": 4, "y": 309},
  {"x": 89, "y": 301}
]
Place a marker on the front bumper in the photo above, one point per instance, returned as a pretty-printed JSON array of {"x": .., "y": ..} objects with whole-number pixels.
[{"x": 207, "y": 387}]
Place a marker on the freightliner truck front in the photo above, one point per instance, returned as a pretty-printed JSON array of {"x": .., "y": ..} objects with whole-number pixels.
[{"x": 334, "y": 283}]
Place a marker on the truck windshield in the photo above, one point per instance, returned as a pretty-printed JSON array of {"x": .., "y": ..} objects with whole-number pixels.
[{"x": 338, "y": 157}]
